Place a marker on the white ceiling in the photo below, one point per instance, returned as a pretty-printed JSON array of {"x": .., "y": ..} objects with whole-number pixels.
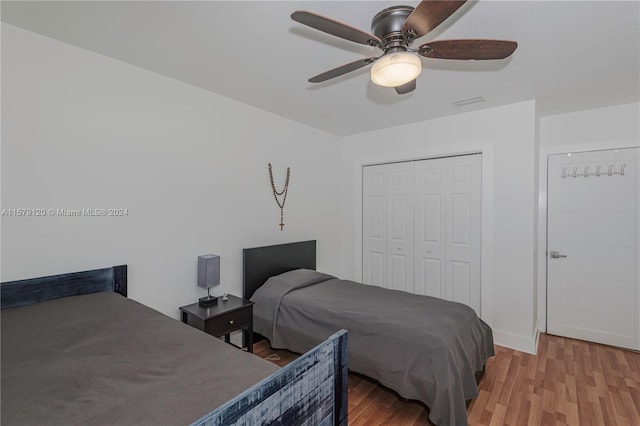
[{"x": 572, "y": 55}]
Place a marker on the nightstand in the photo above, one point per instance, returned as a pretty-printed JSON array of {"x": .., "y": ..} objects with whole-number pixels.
[{"x": 222, "y": 318}]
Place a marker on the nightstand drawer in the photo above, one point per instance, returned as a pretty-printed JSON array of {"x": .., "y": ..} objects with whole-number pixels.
[{"x": 232, "y": 321}]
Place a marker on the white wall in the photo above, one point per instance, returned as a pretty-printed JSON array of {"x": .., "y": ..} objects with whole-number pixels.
[
  {"x": 592, "y": 128},
  {"x": 507, "y": 138},
  {"x": 595, "y": 129},
  {"x": 80, "y": 130}
]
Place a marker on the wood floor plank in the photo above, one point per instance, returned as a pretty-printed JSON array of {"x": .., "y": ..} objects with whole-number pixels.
[{"x": 569, "y": 382}]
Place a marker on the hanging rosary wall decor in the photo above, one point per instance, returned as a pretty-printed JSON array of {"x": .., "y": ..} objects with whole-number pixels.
[{"x": 282, "y": 193}]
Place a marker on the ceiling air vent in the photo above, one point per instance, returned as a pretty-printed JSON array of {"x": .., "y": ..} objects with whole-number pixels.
[{"x": 468, "y": 101}]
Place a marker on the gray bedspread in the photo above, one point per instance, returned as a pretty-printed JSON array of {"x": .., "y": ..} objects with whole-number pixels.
[
  {"x": 422, "y": 347},
  {"x": 103, "y": 359}
]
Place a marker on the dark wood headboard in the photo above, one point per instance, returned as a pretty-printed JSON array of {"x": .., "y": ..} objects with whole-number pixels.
[
  {"x": 14, "y": 294},
  {"x": 261, "y": 263}
]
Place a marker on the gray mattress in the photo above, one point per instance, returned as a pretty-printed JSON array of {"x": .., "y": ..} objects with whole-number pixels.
[
  {"x": 424, "y": 348},
  {"x": 103, "y": 359}
]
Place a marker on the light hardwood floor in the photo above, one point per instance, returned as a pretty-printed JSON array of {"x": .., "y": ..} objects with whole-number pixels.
[{"x": 569, "y": 382}]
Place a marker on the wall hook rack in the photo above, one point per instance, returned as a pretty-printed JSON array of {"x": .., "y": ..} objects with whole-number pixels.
[{"x": 586, "y": 173}]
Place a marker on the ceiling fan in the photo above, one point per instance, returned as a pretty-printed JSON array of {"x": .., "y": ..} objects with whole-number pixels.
[{"x": 394, "y": 30}]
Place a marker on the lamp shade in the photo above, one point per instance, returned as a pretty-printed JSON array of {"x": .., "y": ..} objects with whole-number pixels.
[
  {"x": 208, "y": 270},
  {"x": 396, "y": 69}
]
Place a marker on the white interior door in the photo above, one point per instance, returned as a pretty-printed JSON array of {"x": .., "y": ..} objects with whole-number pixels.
[
  {"x": 448, "y": 228},
  {"x": 592, "y": 244}
]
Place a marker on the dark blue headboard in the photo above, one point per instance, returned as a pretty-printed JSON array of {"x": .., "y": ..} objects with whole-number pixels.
[{"x": 14, "y": 294}]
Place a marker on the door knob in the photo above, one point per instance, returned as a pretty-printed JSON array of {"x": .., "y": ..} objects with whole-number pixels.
[{"x": 556, "y": 255}]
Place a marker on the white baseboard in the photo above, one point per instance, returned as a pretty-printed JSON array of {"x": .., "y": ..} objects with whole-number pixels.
[{"x": 519, "y": 342}]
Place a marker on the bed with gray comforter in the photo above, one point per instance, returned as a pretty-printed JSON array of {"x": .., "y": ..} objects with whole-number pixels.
[
  {"x": 103, "y": 359},
  {"x": 422, "y": 347}
]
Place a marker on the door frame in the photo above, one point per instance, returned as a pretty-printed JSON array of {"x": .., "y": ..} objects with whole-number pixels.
[
  {"x": 545, "y": 152},
  {"x": 485, "y": 148}
]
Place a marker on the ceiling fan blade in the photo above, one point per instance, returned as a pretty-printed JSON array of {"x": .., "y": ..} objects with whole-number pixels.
[
  {"x": 346, "y": 68},
  {"x": 406, "y": 88},
  {"x": 428, "y": 15},
  {"x": 468, "y": 49},
  {"x": 336, "y": 28}
]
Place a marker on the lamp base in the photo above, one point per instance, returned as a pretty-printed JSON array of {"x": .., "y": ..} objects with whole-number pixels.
[{"x": 207, "y": 301}]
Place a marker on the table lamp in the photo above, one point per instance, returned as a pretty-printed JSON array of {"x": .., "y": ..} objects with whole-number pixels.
[{"x": 208, "y": 276}]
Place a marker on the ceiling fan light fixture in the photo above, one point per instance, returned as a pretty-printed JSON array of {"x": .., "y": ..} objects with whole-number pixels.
[{"x": 396, "y": 69}]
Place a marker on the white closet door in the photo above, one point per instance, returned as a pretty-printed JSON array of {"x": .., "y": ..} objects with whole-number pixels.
[
  {"x": 388, "y": 225},
  {"x": 400, "y": 227},
  {"x": 374, "y": 225},
  {"x": 423, "y": 236},
  {"x": 430, "y": 203},
  {"x": 448, "y": 228},
  {"x": 593, "y": 243}
]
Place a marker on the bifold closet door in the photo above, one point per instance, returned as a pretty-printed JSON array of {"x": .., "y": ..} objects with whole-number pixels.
[
  {"x": 448, "y": 223},
  {"x": 388, "y": 226},
  {"x": 421, "y": 227}
]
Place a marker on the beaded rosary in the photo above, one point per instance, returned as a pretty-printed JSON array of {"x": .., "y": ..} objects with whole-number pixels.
[{"x": 283, "y": 193}]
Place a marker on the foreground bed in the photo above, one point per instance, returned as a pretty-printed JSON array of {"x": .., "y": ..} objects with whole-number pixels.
[
  {"x": 75, "y": 351},
  {"x": 424, "y": 348}
]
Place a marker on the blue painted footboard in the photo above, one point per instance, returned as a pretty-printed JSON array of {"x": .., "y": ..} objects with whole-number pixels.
[{"x": 312, "y": 390}]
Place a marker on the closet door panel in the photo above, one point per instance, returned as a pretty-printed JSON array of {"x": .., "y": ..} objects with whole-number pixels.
[
  {"x": 459, "y": 283},
  {"x": 374, "y": 226},
  {"x": 430, "y": 197},
  {"x": 463, "y": 229},
  {"x": 400, "y": 229},
  {"x": 429, "y": 277}
]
